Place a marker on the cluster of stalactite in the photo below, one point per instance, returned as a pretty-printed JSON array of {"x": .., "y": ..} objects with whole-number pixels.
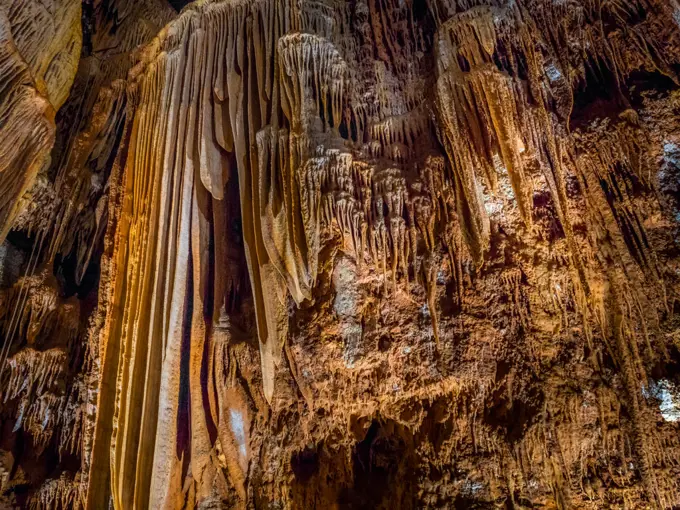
[
  {"x": 39, "y": 388},
  {"x": 290, "y": 172},
  {"x": 33, "y": 310},
  {"x": 33, "y": 376},
  {"x": 252, "y": 94},
  {"x": 61, "y": 493},
  {"x": 57, "y": 201},
  {"x": 268, "y": 94}
]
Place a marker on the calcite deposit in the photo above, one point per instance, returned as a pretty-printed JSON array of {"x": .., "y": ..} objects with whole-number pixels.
[{"x": 295, "y": 254}]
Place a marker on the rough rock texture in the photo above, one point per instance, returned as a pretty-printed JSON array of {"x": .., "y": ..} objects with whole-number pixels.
[
  {"x": 50, "y": 263},
  {"x": 39, "y": 50},
  {"x": 363, "y": 254}
]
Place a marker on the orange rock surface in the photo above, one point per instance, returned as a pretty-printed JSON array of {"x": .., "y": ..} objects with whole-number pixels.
[{"x": 295, "y": 254}]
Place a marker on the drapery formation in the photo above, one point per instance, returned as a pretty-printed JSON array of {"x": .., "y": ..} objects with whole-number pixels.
[
  {"x": 207, "y": 109},
  {"x": 340, "y": 184},
  {"x": 262, "y": 97},
  {"x": 39, "y": 51},
  {"x": 251, "y": 94}
]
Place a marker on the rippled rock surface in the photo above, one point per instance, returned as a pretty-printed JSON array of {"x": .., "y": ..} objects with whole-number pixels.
[{"x": 298, "y": 254}]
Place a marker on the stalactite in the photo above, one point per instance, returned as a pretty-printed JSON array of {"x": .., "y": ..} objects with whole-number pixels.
[
  {"x": 32, "y": 372},
  {"x": 38, "y": 313},
  {"x": 225, "y": 115},
  {"x": 447, "y": 215},
  {"x": 60, "y": 493}
]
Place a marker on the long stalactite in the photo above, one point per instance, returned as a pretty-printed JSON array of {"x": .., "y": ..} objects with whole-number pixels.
[{"x": 353, "y": 254}]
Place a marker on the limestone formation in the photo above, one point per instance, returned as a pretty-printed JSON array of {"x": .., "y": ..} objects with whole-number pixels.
[
  {"x": 340, "y": 254},
  {"x": 39, "y": 50}
]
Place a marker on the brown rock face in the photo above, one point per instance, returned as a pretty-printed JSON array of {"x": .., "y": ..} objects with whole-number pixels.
[
  {"x": 39, "y": 50},
  {"x": 294, "y": 254}
]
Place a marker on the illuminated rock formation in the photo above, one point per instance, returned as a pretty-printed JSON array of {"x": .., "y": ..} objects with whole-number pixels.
[
  {"x": 39, "y": 51},
  {"x": 58, "y": 226},
  {"x": 359, "y": 254}
]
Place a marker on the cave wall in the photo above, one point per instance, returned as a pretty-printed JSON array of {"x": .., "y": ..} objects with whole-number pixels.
[
  {"x": 367, "y": 254},
  {"x": 40, "y": 50},
  {"x": 50, "y": 259}
]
